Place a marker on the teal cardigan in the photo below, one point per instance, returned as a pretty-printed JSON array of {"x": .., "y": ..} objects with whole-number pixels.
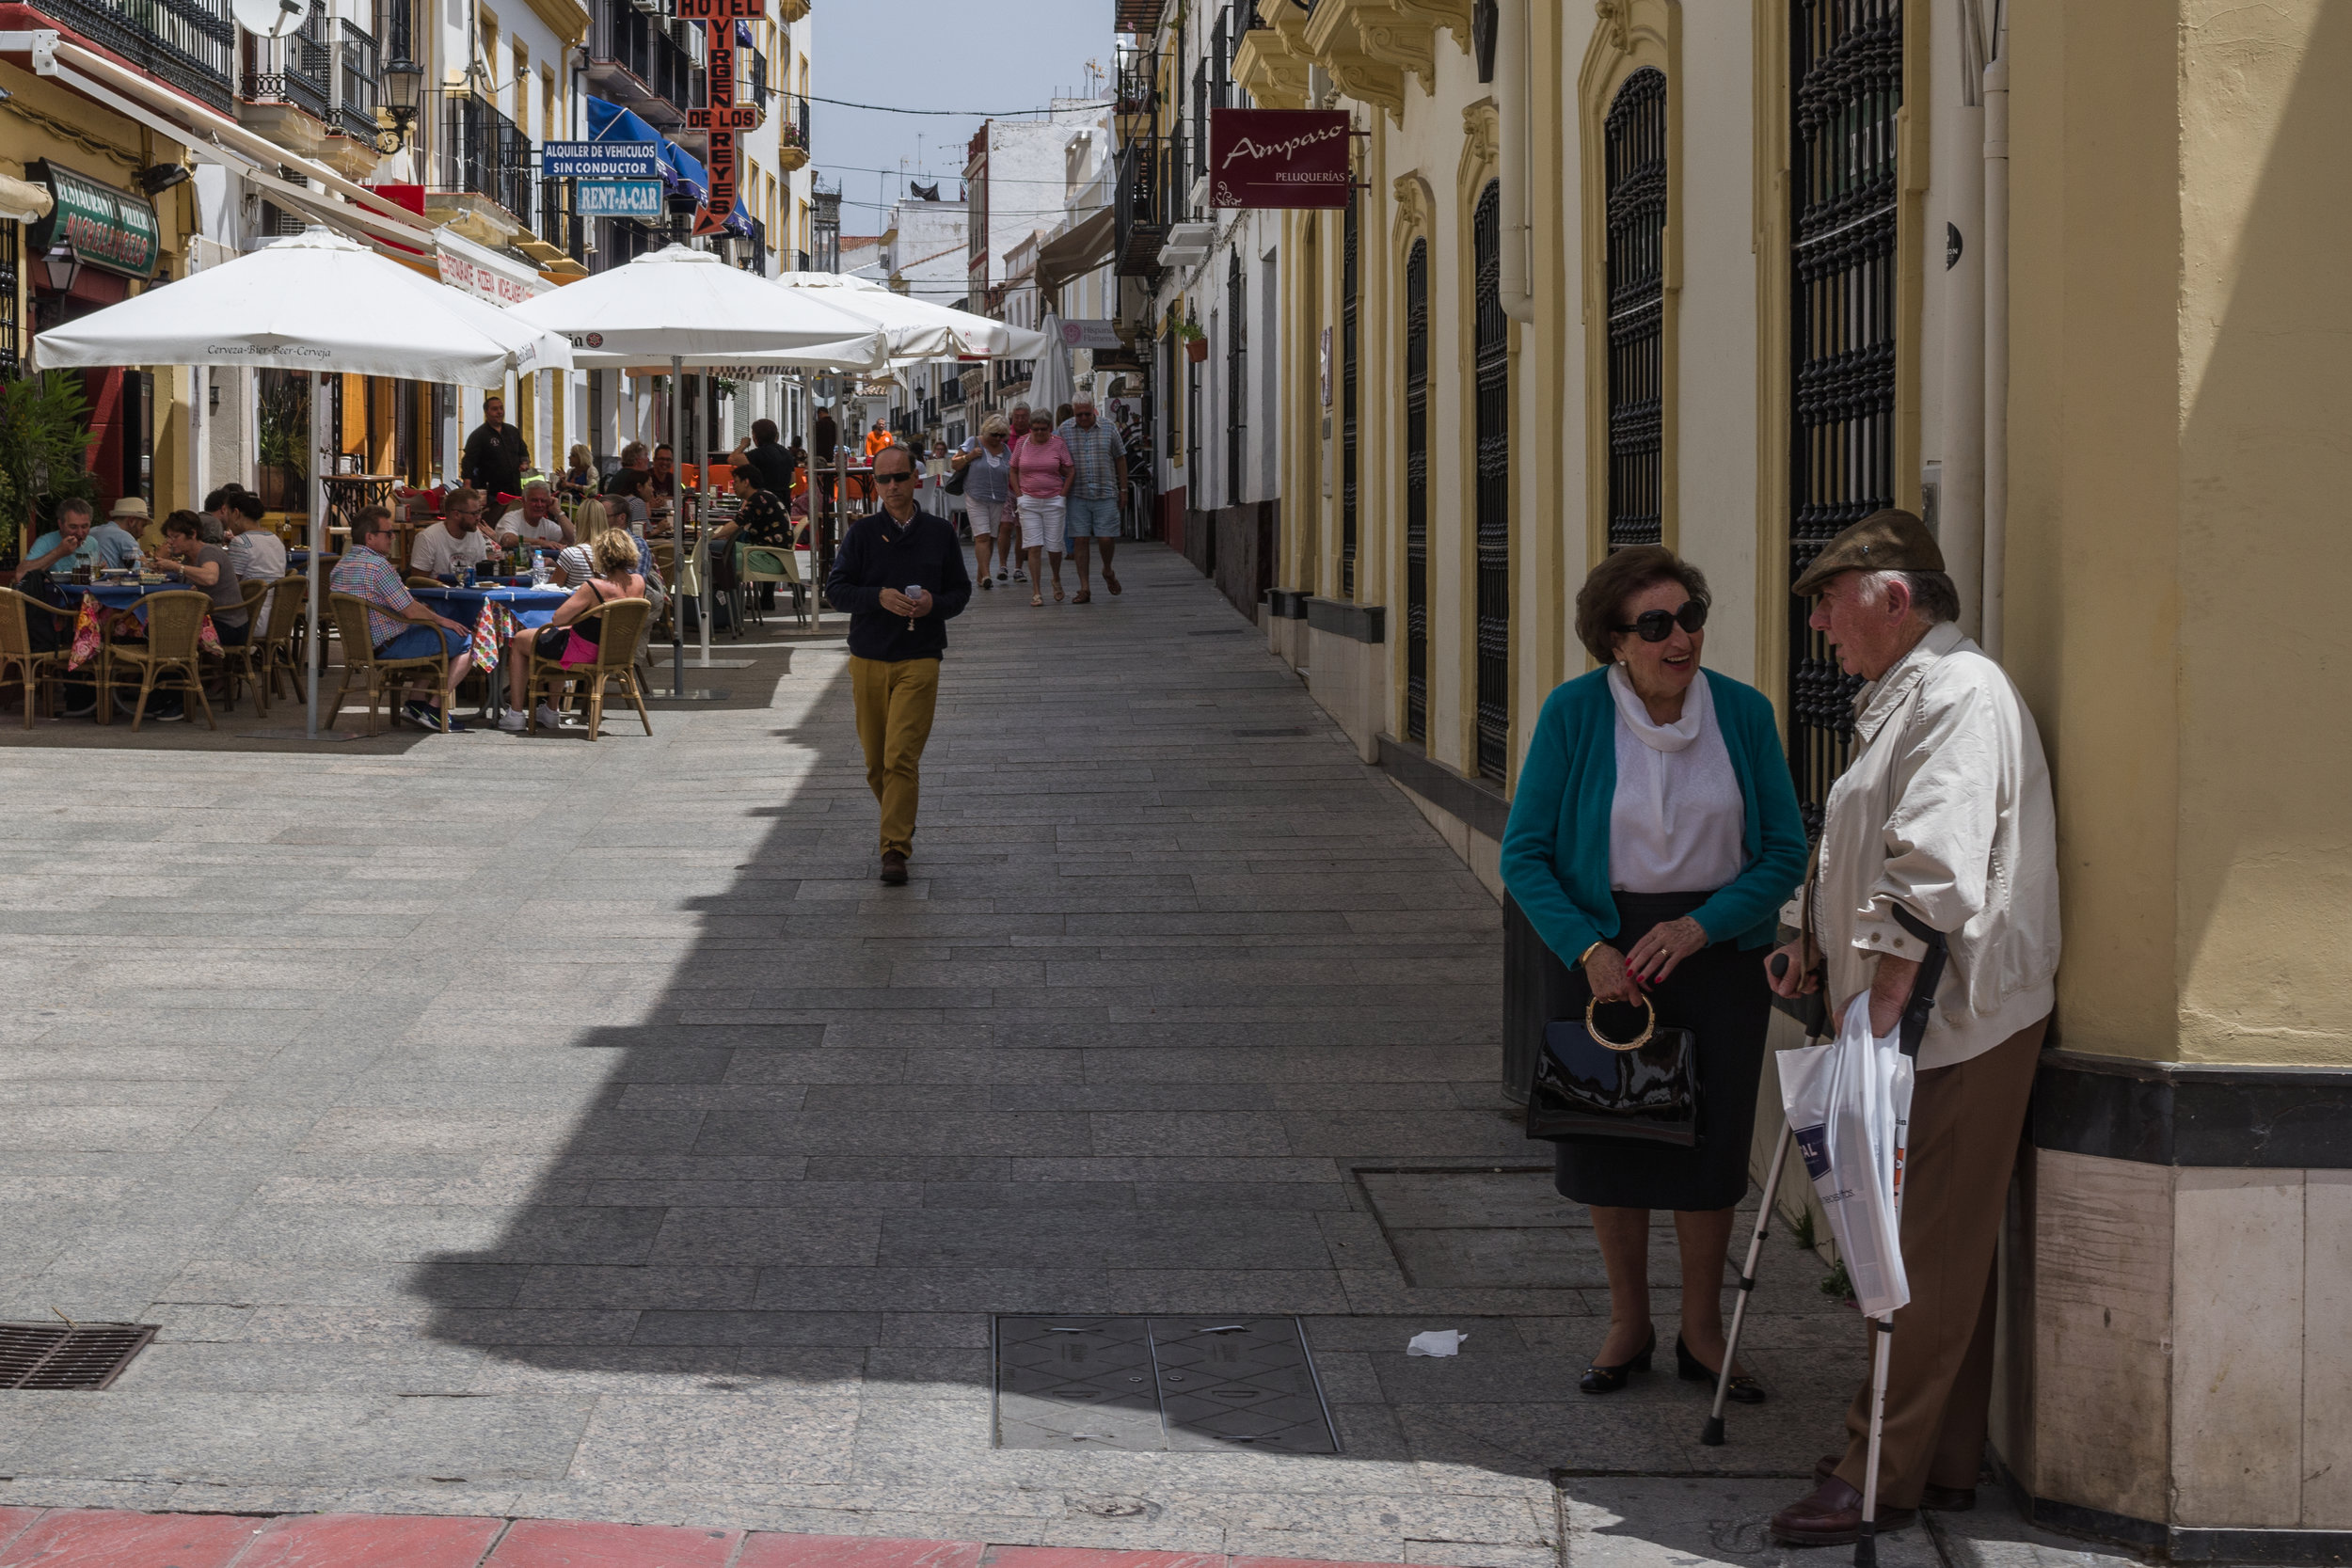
[{"x": 1555, "y": 847}]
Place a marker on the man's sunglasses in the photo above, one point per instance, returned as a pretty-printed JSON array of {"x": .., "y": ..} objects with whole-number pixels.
[
  {"x": 894, "y": 478},
  {"x": 1656, "y": 626}
]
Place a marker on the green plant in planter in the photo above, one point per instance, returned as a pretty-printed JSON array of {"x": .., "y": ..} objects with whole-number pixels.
[
  {"x": 1190, "y": 332},
  {"x": 44, "y": 436}
]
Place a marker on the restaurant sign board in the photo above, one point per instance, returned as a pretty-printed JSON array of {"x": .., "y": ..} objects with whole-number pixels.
[
  {"x": 112, "y": 229},
  {"x": 1279, "y": 157},
  {"x": 599, "y": 160},
  {"x": 617, "y": 198}
]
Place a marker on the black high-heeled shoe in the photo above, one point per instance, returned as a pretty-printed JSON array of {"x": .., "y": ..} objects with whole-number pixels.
[
  {"x": 1743, "y": 1389},
  {"x": 1598, "y": 1379}
]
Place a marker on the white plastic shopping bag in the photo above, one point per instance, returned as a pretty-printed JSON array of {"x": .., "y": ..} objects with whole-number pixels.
[{"x": 1849, "y": 1104}]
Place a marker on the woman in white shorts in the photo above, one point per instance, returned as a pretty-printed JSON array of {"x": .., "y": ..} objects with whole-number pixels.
[
  {"x": 1041, "y": 472},
  {"x": 987, "y": 466}
]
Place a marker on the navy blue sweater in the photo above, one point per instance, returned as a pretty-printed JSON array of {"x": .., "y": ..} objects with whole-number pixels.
[{"x": 876, "y": 554}]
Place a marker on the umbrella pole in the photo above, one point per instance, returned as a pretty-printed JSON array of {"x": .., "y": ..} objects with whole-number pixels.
[
  {"x": 1713, "y": 1434},
  {"x": 702, "y": 506},
  {"x": 318, "y": 547},
  {"x": 678, "y": 534}
]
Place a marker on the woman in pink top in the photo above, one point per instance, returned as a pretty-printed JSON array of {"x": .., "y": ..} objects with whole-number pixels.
[{"x": 1041, "y": 472}]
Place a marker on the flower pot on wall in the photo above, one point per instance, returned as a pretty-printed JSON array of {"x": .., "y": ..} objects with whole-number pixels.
[{"x": 1196, "y": 350}]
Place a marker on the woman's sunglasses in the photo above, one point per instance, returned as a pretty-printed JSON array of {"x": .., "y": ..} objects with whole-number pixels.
[{"x": 1656, "y": 626}]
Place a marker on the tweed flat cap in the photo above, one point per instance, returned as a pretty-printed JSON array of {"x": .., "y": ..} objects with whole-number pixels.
[{"x": 1887, "y": 540}]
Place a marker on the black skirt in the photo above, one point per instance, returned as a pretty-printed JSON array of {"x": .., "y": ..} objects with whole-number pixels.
[{"x": 1720, "y": 994}]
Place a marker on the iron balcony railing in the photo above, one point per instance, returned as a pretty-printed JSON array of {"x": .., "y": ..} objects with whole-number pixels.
[
  {"x": 802, "y": 261},
  {"x": 189, "y": 43},
  {"x": 659, "y": 75},
  {"x": 759, "y": 80},
  {"x": 793, "y": 130},
  {"x": 305, "y": 73},
  {"x": 951, "y": 392},
  {"x": 558, "y": 223},
  {"x": 357, "y": 75},
  {"x": 1150, "y": 197},
  {"x": 482, "y": 152}
]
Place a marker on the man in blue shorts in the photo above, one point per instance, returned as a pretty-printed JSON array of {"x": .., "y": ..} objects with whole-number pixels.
[
  {"x": 1101, "y": 461},
  {"x": 398, "y": 626}
]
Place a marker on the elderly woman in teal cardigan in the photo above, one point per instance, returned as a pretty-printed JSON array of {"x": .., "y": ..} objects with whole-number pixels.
[{"x": 1653, "y": 838}]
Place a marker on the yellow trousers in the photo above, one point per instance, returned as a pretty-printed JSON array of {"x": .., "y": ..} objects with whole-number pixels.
[{"x": 894, "y": 702}]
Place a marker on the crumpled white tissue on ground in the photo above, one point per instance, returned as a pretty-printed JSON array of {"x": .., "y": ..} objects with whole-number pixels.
[{"x": 1438, "y": 1341}]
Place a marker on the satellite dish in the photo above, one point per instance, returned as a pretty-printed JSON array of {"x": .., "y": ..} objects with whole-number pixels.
[{"x": 270, "y": 19}]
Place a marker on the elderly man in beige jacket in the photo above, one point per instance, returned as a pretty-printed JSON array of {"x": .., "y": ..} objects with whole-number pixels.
[{"x": 1945, "y": 811}]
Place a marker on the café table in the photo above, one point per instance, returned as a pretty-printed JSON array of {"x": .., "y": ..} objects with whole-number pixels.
[
  {"x": 111, "y": 596},
  {"x": 477, "y": 608}
]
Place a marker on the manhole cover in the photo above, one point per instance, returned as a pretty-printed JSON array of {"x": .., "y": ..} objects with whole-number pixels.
[
  {"x": 1152, "y": 1384},
  {"x": 53, "y": 1355}
]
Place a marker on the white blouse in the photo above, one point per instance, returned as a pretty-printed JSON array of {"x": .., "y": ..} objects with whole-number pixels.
[{"x": 1675, "y": 825}]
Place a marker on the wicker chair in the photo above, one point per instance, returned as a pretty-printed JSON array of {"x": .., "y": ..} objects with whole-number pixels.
[
  {"x": 243, "y": 661},
  {"x": 167, "y": 661},
  {"x": 281, "y": 647},
  {"x": 17, "y": 652},
  {"x": 382, "y": 675},
  {"x": 620, "y": 624}
]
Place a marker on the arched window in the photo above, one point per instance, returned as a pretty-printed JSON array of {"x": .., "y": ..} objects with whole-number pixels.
[
  {"x": 1417, "y": 493},
  {"x": 1493, "y": 494},
  {"x": 1351, "y": 284},
  {"x": 1844, "y": 90},
  {"x": 1635, "y": 159}
]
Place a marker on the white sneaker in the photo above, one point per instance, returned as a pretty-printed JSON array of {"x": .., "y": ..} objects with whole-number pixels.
[
  {"x": 550, "y": 718},
  {"x": 513, "y": 720}
]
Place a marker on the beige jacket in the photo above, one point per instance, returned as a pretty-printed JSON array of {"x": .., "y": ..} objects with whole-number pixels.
[{"x": 1945, "y": 809}]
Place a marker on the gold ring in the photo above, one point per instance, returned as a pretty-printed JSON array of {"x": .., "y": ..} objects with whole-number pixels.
[{"x": 1634, "y": 1044}]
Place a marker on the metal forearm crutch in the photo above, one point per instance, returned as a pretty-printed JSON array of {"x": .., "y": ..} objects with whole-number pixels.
[
  {"x": 1713, "y": 1435},
  {"x": 1913, "y": 1029}
]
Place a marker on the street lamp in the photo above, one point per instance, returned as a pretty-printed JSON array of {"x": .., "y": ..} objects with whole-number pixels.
[
  {"x": 403, "y": 88},
  {"x": 63, "y": 267}
]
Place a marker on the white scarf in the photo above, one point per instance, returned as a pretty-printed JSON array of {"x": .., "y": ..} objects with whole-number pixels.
[{"x": 1659, "y": 737}]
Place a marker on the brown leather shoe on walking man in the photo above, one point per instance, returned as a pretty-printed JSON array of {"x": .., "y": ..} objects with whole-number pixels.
[
  {"x": 1945, "y": 811},
  {"x": 900, "y": 574}
]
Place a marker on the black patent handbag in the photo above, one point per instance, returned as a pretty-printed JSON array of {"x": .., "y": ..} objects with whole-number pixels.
[{"x": 1587, "y": 1086}]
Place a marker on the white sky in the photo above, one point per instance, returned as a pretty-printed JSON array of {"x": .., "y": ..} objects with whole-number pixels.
[{"x": 936, "y": 54}]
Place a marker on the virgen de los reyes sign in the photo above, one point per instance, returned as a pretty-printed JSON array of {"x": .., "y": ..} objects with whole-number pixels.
[{"x": 1277, "y": 157}]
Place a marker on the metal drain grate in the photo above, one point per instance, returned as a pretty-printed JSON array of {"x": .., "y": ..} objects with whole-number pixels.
[
  {"x": 1146, "y": 1384},
  {"x": 51, "y": 1355}
]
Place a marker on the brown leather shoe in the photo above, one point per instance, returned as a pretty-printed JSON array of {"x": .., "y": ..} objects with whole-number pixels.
[
  {"x": 894, "y": 869},
  {"x": 1831, "y": 1515},
  {"x": 1947, "y": 1499}
]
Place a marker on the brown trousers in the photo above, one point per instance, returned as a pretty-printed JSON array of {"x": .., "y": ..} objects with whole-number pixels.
[{"x": 1966, "y": 1121}]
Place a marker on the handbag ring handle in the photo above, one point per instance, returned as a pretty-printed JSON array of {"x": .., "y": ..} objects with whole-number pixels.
[{"x": 1636, "y": 1042}]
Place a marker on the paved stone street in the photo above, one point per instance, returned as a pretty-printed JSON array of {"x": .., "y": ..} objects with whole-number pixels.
[{"x": 518, "y": 1127}]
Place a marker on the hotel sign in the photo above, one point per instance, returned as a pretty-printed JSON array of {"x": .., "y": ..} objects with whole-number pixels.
[{"x": 1279, "y": 157}]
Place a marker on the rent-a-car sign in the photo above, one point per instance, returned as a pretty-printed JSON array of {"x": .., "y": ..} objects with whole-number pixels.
[{"x": 1279, "y": 157}]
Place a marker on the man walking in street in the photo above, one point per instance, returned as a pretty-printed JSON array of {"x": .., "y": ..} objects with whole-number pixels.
[
  {"x": 495, "y": 455},
  {"x": 1101, "y": 461},
  {"x": 900, "y": 574},
  {"x": 1943, "y": 822}
]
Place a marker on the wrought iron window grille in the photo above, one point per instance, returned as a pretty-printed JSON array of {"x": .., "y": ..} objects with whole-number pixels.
[
  {"x": 1635, "y": 159},
  {"x": 1351, "y": 288},
  {"x": 1417, "y": 493},
  {"x": 1493, "y": 495}
]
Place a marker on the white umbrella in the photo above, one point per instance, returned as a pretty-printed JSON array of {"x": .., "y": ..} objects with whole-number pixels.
[
  {"x": 690, "y": 308},
  {"x": 1051, "y": 384},
  {"x": 315, "y": 302},
  {"x": 920, "y": 329}
]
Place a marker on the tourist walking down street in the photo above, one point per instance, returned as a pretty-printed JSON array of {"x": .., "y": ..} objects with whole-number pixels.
[
  {"x": 1041, "y": 472},
  {"x": 900, "y": 574},
  {"x": 1100, "y": 460},
  {"x": 495, "y": 455},
  {"x": 1653, "y": 838},
  {"x": 986, "y": 464},
  {"x": 1943, "y": 819}
]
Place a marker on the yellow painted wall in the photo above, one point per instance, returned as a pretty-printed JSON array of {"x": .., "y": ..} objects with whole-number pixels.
[{"x": 2178, "y": 565}]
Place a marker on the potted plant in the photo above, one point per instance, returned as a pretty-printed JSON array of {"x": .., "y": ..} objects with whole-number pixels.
[
  {"x": 44, "y": 434},
  {"x": 1195, "y": 341}
]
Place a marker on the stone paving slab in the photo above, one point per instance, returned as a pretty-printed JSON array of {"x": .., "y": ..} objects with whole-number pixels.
[{"x": 509, "y": 1127}]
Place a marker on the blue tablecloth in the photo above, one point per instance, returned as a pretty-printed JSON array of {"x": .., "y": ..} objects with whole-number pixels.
[
  {"x": 531, "y": 607},
  {"x": 116, "y": 595}
]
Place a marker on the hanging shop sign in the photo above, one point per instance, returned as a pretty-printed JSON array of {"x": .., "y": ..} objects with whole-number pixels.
[
  {"x": 617, "y": 198},
  {"x": 718, "y": 114},
  {"x": 719, "y": 11},
  {"x": 1279, "y": 157},
  {"x": 115, "y": 231},
  {"x": 1080, "y": 332},
  {"x": 599, "y": 160},
  {"x": 486, "y": 276}
]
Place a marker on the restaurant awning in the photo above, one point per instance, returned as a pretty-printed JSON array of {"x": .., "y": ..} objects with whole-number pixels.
[
  {"x": 1082, "y": 250},
  {"x": 330, "y": 197}
]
